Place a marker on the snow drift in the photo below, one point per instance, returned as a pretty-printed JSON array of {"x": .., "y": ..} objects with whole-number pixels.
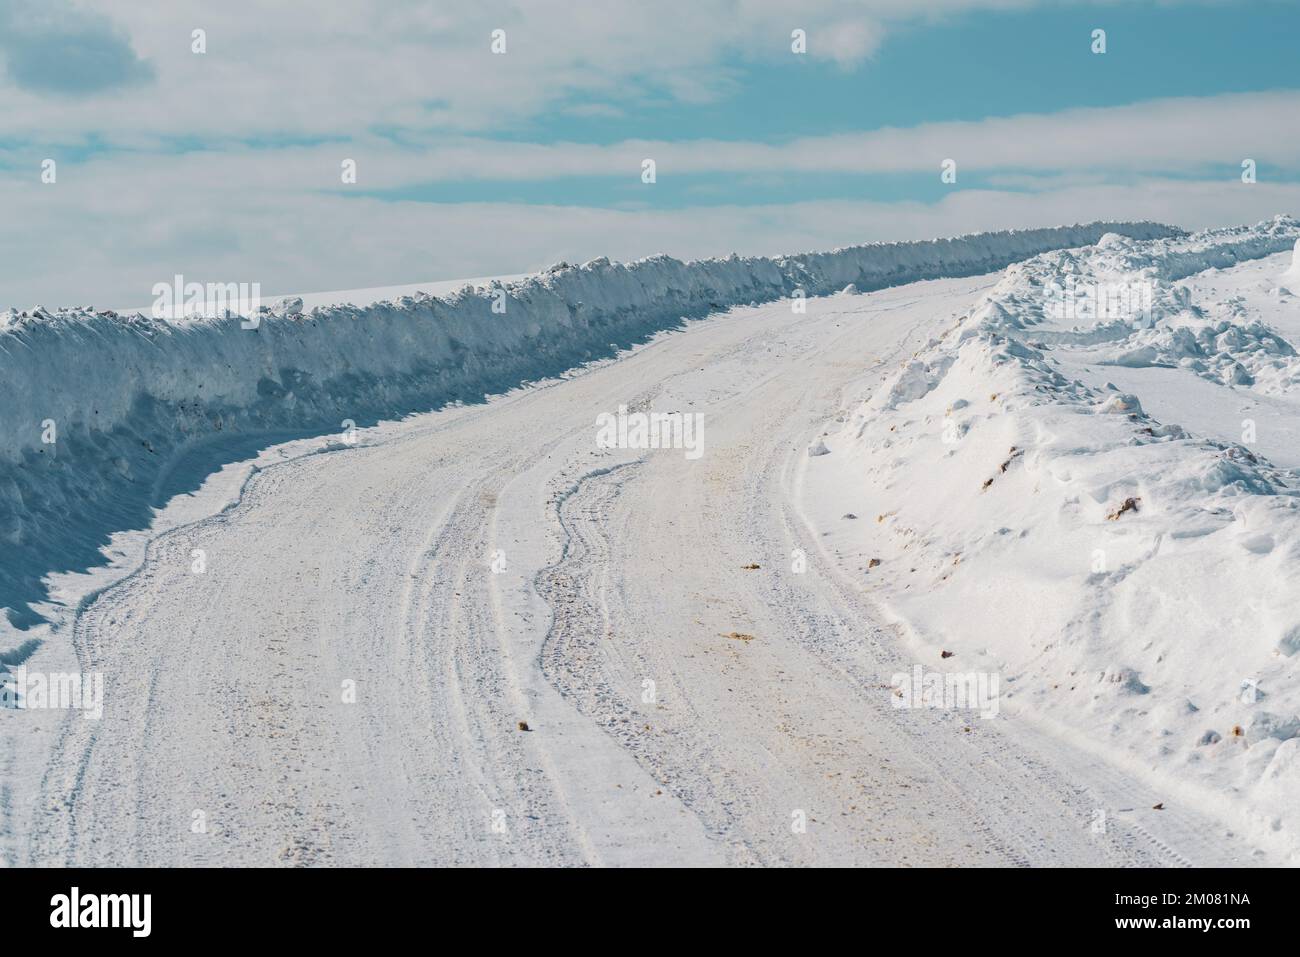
[
  {"x": 96, "y": 406},
  {"x": 1132, "y": 581}
]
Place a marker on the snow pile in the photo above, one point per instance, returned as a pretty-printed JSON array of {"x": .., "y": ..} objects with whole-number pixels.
[
  {"x": 1222, "y": 344},
  {"x": 1132, "y": 582},
  {"x": 96, "y": 406},
  {"x": 1290, "y": 279}
]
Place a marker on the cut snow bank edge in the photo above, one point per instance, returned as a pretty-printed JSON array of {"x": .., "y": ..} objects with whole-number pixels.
[{"x": 122, "y": 395}]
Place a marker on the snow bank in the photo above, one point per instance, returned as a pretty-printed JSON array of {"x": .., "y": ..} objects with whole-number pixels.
[
  {"x": 1292, "y": 276},
  {"x": 1133, "y": 583},
  {"x": 121, "y": 395}
]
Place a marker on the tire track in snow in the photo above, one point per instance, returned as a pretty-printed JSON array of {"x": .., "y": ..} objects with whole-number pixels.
[{"x": 372, "y": 565}]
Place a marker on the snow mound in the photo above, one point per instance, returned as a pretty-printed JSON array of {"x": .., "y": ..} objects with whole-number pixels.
[
  {"x": 1052, "y": 527},
  {"x": 1120, "y": 404},
  {"x": 1292, "y": 275}
]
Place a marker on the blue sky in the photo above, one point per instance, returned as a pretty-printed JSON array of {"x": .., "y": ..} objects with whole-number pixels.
[
  {"x": 978, "y": 64},
  {"x": 224, "y": 165}
]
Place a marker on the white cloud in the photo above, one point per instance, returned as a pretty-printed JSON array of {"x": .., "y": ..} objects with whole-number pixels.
[
  {"x": 305, "y": 242},
  {"x": 290, "y": 70},
  {"x": 849, "y": 42},
  {"x": 298, "y": 68},
  {"x": 1038, "y": 152},
  {"x": 1181, "y": 134}
]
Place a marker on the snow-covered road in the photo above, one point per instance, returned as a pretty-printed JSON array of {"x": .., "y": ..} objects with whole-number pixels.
[{"x": 344, "y": 680}]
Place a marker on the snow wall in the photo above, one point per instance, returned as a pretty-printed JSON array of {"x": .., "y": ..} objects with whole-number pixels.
[{"x": 123, "y": 396}]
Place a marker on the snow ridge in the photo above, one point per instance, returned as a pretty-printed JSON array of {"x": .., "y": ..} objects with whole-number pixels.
[
  {"x": 1132, "y": 582},
  {"x": 120, "y": 396}
]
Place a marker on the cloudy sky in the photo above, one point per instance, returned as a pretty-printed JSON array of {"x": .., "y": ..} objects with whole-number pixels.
[{"x": 226, "y": 165}]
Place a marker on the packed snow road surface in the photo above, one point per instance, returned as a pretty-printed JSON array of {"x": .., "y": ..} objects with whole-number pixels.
[{"x": 339, "y": 667}]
